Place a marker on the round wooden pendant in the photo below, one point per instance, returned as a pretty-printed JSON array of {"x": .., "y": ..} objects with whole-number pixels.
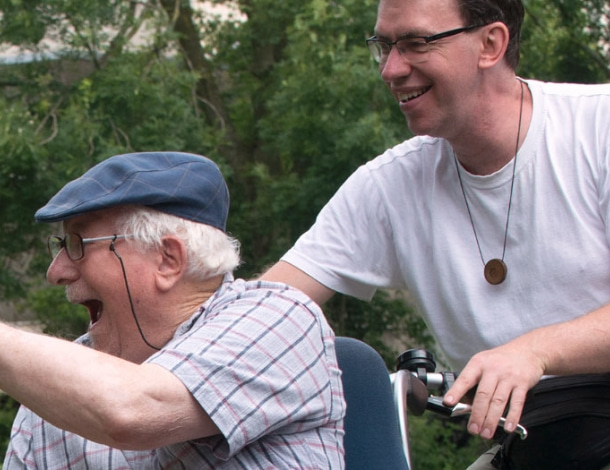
[{"x": 495, "y": 271}]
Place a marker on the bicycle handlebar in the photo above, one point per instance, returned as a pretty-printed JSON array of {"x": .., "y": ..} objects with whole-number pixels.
[{"x": 421, "y": 365}]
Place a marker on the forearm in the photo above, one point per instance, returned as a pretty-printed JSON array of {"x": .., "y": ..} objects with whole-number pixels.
[
  {"x": 503, "y": 375},
  {"x": 579, "y": 346},
  {"x": 98, "y": 396},
  {"x": 288, "y": 274}
]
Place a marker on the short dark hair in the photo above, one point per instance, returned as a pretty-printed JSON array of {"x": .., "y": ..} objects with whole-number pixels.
[{"x": 509, "y": 12}]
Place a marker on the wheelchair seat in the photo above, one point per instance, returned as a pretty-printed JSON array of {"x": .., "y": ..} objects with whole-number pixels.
[{"x": 372, "y": 432}]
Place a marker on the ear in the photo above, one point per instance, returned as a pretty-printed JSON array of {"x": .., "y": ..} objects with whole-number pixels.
[
  {"x": 172, "y": 262},
  {"x": 494, "y": 43}
]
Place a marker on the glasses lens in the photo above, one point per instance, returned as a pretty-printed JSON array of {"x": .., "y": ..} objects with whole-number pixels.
[
  {"x": 74, "y": 246},
  {"x": 54, "y": 245},
  {"x": 375, "y": 49},
  {"x": 414, "y": 50}
]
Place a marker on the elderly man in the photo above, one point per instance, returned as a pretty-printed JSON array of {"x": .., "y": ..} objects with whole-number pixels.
[{"x": 182, "y": 366}]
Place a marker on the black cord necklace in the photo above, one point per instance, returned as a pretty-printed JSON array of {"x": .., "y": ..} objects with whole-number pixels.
[{"x": 495, "y": 269}]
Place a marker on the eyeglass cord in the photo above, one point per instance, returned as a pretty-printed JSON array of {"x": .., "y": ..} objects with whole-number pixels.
[{"x": 133, "y": 312}]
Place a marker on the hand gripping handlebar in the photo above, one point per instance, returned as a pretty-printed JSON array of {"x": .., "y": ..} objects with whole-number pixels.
[{"x": 423, "y": 379}]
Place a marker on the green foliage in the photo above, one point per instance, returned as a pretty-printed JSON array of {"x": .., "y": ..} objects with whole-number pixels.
[
  {"x": 8, "y": 410},
  {"x": 324, "y": 118},
  {"x": 442, "y": 444},
  {"x": 59, "y": 318},
  {"x": 387, "y": 316},
  {"x": 19, "y": 172},
  {"x": 566, "y": 41},
  {"x": 22, "y": 22}
]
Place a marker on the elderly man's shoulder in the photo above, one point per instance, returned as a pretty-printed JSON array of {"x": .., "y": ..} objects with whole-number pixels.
[{"x": 265, "y": 294}]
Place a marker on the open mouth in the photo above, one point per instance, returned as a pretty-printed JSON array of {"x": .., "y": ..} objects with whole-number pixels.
[
  {"x": 95, "y": 309},
  {"x": 405, "y": 97}
]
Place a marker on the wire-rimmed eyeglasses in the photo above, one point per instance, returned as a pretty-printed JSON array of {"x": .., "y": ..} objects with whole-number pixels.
[
  {"x": 74, "y": 244},
  {"x": 412, "y": 48}
]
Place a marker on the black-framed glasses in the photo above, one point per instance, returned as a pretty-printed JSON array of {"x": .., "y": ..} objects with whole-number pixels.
[
  {"x": 74, "y": 244},
  {"x": 412, "y": 48}
]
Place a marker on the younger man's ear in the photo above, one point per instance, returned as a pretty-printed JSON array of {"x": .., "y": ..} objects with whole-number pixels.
[{"x": 495, "y": 37}]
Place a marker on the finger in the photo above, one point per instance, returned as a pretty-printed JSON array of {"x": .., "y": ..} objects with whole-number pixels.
[
  {"x": 465, "y": 382},
  {"x": 480, "y": 405},
  {"x": 496, "y": 408},
  {"x": 517, "y": 401}
]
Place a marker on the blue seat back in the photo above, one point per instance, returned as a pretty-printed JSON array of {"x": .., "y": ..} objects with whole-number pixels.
[{"x": 372, "y": 433}]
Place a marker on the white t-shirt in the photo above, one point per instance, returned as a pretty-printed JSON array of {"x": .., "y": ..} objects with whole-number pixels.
[{"x": 400, "y": 221}]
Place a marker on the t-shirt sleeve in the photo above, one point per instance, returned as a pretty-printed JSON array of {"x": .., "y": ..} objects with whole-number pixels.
[{"x": 350, "y": 248}]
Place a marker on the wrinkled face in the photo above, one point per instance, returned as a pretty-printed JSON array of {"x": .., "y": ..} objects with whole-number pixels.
[
  {"x": 96, "y": 282},
  {"x": 433, "y": 89}
]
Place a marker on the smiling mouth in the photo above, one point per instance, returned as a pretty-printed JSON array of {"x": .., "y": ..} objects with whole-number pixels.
[
  {"x": 95, "y": 310},
  {"x": 405, "y": 97}
]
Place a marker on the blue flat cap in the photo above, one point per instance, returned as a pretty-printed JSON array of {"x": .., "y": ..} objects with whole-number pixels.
[{"x": 182, "y": 184}]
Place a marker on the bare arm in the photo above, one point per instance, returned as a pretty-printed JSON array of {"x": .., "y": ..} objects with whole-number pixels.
[
  {"x": 504, "y": 375},
  {"x": 98, "y": 396},
  {"x": 289, "y": 274}
]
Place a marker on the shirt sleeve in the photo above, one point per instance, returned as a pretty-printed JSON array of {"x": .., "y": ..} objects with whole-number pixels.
[
  {"x": 260, "y": 362},
  {"x": 19, "y": 449}
]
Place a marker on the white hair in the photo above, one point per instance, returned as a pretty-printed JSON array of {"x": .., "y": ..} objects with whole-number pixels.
[{"x": 210, "y": 251}]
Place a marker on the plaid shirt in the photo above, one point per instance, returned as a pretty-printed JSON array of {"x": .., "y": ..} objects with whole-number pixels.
[{"x": 259, "y": 357}]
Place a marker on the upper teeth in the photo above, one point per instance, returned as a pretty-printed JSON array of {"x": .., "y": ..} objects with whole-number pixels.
[{"x": 411, "y": 95}]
